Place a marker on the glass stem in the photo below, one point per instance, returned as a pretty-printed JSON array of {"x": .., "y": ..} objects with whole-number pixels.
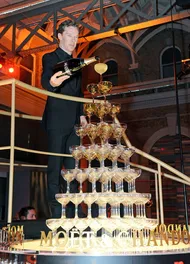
[
  {"x": 94, "y": 186},
  {"x": 114, "y": 164},
  {"x": 76, "y": 210},
  {"x": 89, "y": 211},
  {"x": 126, "y": 165},
  {"x": 102, "y": 163},
  {"x": 63, "y": 211},
  {"x": 76, "y": 164},
  {"x": 80, "y": 186},
  {"x": 68, "y": 187}
]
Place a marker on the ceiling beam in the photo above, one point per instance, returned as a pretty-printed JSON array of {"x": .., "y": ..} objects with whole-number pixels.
[{"x": 138, "y": 26}]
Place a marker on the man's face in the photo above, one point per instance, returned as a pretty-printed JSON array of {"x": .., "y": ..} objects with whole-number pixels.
[
  {"x": 31, "y": 215},
  {"x": 68, "y": 39}
]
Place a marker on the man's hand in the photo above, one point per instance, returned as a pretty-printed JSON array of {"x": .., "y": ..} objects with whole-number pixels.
[
  {"x": 55, "y": 82},
  {"x": 83, "y": 121}
]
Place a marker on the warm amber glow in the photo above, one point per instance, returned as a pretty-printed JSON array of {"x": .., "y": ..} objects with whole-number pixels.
[{"x": 138, "y": 26}]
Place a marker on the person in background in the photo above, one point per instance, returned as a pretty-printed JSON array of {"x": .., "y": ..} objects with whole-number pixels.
[
  {"x": 27, "y": 213},
  {"x": 60, "y": 116}
]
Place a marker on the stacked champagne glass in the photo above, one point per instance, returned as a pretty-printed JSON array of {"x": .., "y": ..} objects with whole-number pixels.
[{"x": 111, "y": 179}]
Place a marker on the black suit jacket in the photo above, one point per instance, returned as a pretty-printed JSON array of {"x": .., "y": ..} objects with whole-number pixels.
[{"x": 60, "y": 114}]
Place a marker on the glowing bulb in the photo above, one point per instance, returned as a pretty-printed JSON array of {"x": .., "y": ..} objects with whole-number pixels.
[{"x": 11, "y": 69}]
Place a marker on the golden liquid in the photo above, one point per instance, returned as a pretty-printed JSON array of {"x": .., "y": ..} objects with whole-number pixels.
[
  {"x": 89, "y": 109},
  {"x": 89, "y": 154},
  {"x": 68, "y": 176},
  {"x": 77, "y": 154},
  {"x": 80, "y": 131},
  {"x": 92, "y": 131},
  {"x": 104, "y": 87},
  {"x": 115, "y": 109},
  {"x": 92, "y": 88}
]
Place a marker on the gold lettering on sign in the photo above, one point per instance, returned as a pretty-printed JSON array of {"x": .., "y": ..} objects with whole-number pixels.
[
  {"x": 45, "y": 238},
  {"x": 175, "y": 237},
  {"x": 152, "y": 238}
]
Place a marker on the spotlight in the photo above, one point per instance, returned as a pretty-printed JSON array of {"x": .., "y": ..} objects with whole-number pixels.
[{"x": 11, "y": 69}]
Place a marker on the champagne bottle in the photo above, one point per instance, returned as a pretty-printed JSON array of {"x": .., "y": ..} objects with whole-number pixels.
[{"x": 71, "y": 66}]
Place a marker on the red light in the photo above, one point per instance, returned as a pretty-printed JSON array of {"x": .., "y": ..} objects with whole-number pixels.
[
  {"x": 11, "y": 70},
  {"x": 1, "y": 65}
]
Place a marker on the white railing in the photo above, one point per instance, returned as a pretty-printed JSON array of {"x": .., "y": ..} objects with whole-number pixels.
[{"x": 177, "y": 175}]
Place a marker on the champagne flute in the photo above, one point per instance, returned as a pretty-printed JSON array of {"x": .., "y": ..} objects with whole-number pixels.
[
  {"x": 68, "y": 175},
  {"x": 104, "y": 131},
  {"x": 92, "y": 88},
  {"x": 104, "y": 87},
  {"x": 114, "y": 110},
  {"x": 89, "y": 152},
  {"x": 93, "y": 176},
  {"x": 113, "y": 156},
  {"x": 54, "y": 224},
  {"x": 89, "y": 200},
  {"x": 102, "y": 152},
  {"x": 80, "y": 132},
  {"x": 91, "y": 131},
  {"x": 130, "y": 176},
  {"x": 63, "y": 199},
  {"x": 76, "y": 152},
  {"x": 126, "y": 154},
  {"x": 100, "y": 110},
  {"x": 81, "y": 176},
  {"x": 76, "y": 199},
  {"x": 89, "y": 109},
  {"x": 118, "y": 131}
]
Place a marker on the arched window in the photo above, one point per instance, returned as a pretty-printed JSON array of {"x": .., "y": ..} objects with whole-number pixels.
[
  {"x": 112, "y": 72},
  {"x": 27, "y": 70},
  {"x": 167, "y": 62}
]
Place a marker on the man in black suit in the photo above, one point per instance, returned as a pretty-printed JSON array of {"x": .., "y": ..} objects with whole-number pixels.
[{"x": 60, "y": 116}]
